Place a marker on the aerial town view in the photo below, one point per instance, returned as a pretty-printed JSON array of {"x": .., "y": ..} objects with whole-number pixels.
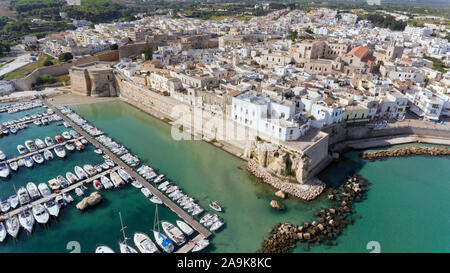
[{"x": 303, "y": 126}]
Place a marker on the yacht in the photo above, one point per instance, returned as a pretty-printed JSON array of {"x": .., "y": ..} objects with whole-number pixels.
[
  {"x": 2, "y": 156},
  {"x": 13, "y": 226},
  {"x": 4, "y": 170},
  {"x": 24, "y": 198},
  {"x": 107, "y": 184},
  {"x": 5, "y": 206},
  {"x": 28, "y": 161},
  {"x": 22, "y": 150},
  {"x": 60, "y": 151},
  {"x": 125, "y": 176},
  {"x": 48, "y": 155},
  {"x": 54, "y": 184},
  {"x": 33, "y": 191},
  {"x": 62, "y": 181},
  {"x": 13, "y": 201},
  {"x": 52, "y": 207},
  {"x": 89, "y": 169},
  {"x": 200, "y": 245},
  {"x": 38, "y": 158},
  {"x": 49, "y": 141},
  {"x": 71, "y": 177},
  {"x": 40, "y": 214},
  {"x": 39, "y": 143},
  {"x": 124, "y": 247},
  {"x": 174, "y": 233},
  {"x": 26, "y": 220},
  {"x": 44, "y": 190},
  {"x": 80, "y": 173},
  {"x": 66, "y": 135},
  {"x": 164, "y": 242},
  {"x": 3, "y": 232},
  {"x": 144, "y": 243},
  {"x": 31, "y": 146},
  {"x": 103, "y": 249},
  {"x": 185, "y": 227},
  {"x": 116, "y": 179}
]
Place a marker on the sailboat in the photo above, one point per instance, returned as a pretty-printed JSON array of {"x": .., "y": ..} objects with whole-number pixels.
[
  {"x": 165, "y": 243},
  {"x": 124, "y": 247}
]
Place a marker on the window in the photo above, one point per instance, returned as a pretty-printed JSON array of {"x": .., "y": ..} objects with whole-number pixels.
[{"x": 292, "y": 131}]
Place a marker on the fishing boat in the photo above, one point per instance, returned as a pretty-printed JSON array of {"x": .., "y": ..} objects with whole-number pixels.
[
  {"x": 185, "y": 227},
  {"x": 70, "y": 147},
  {"x": 4, "y": 170},
  {"x": 52, "y": 207},
  {"x": 13, "y": 226},
  {"x": 97, "y": 184},
  {"x": 89, "y": 169},
  {"x": 103, "y": 249},
  {"x": 33, "y": 191},
  {"x": 29, "y": 162},
  {"x": 39, "y": 143},
  {"x": 5, "y": 206},
  {"x": 79, "y": 145},
  {"x": 200, "y": 245},
  {"x": 44, "y": 190},
  {"x": 54, "y": 184},
  {"x": 48, "y": 155},
  {"x": 156, "y": 200},
  {"x": 38, "y": 158},
  {"x": 80, "y": 173},
  {"x": 107, "y": 184},
  {"x": 2, "y": 155},
  {"x": 49, "y": 141},
  {"x": 215, "y": 206},
  {"x": 31, "y": 146},
  {"x": 71, "y": 177},
  {"x": 125, "y": 176},
  {"x": 98, "y": 151},
  {"x": 62, "y": 181},
  {"x": 59, "y": 139},
  {"x": 60, "y": 151},
  {"x": 115, "y": 178},
  {"x": 3, "y": 232},
  {"x": 124, "y": 247},
  {"x": 66, "y": 135},
  {"x": 136, "y": 184},
  {"x": 174, "y": 233},
  {"x": 22, "y": 150},
  {"x": 67, "y": 198},
  {"x": 146, "y": 192},
  {"x": 26, "y": 220},
  {"x": 164, "y": 242},
  {"x": 40, "y": 214},
  {"x": 24, "y": 198},
  {"x": 144, "y": 243},
  {"x": 13, "y": 201},
  {"x": 79, "y": 191}
]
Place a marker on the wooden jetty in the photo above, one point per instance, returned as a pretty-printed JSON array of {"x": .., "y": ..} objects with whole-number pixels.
[{"x": 204, "y": 232}]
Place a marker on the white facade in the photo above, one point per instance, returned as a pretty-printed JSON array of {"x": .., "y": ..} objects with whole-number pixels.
[{"x": 325, "y": 114}]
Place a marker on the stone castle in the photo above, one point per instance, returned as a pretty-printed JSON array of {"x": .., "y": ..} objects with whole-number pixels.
[{"x": 93, "y": 79}]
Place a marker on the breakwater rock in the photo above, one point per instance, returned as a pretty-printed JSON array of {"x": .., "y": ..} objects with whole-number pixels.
[
  {"x": 327, "y": 225},
  {"x": 307, "y": 191},
  {"x": 92, "y": 200},
  {"x": 276, "y": 205},
  {"x": 407, "y": 151}
]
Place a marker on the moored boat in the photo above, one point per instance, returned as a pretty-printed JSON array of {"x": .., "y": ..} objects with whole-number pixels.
[
  {"x": 31, "y": 146},
  {"x": 33, "y": 191},
  {"x": 3, "y": 232},
  {"x": 4, "y": 170},
  {"x": 44, "y": 189},
  {"x": 71, "y": 177},
  {"x": 104, "y": 249},
  {"x": 106, "y": 182},
  {"x": 52, "y": 207},
  {"x": 185, "y": 227},
  {"x": 62, "y": 181},
  {"x": 215, "y": 206},
  {"x": 38, "y": 158},
  {"x": 39, "y": 143},
  {"x": 164, "y": 242},
  {"x": 66, "y": 135},
  {"x": 60, "y": 151},
  {"x": 144, "y": 243},
  {"x": 54, "y": 184},
  {"x": 13, "y": 201},
  {"x": 124, "y": 175},
  {"x": 116, "y": 179},
  {"x": 5, "y": 206},
  {"x": 155, "y": 200},
  {"x": 21, "y": 149},
  {"x": 40, "y": 214},
  {"x": 26, "y": 220},
  {"x": 2, "y": 156},
  {"x": 69, "y": 147},
  {"x": 58, "y": 139},
  {"x": 13, "y": 226},
  {"x": 200, "y": 245},
  {"x": 146, "y": 192},
  {"x": 97, "y": 184},
  {"x": 136, "y": 184},
  {"x": 28, "y": 161},
  {"x": 49, "y": 141},
  {"x": 89, "y": 169},
  {"x": 80, "y": 173},
  {"x": 48, "y": 155},
  {"x": 24, "y": 198},
  {"x": 174, "y": 233}
]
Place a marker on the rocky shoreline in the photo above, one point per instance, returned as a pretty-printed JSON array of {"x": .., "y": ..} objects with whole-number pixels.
[
  {"x": 328, "y": 225},
  {"x": 407, "y": 151},
  {"x": 307, "y": 191}
]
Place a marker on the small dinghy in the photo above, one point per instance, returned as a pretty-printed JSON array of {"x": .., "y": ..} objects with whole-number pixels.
[
  {"x": 3, "y": 232},
  {"x": 33, "y": 191},
  {"x": 67, "y": 198},
  {"x": 164, "y": 184},
  {"x": 105, "y": 166},
  {"x": 71, "y": 177},
  {"x": 29, "y": 162},
  {"x": 21, "y": 149},
  {"x": 48, "y": 155},
  {"x": 38, "y": 158},
  {"x": 78, "y": 145},
  {"x": 66, "y": 135},
  {"x": 58, "y": 139},
  {"x": 74, "y": 133},
  {"x": 98, "y": 168},
  {"x": 39, "y": 143},
  {"x": 97, "y": 184},
  {"x": 215, "y": 206},
  {"x": 89, "y": 169},
  {"x": 79, "y": 191},
  {"x": 14, "y": 166},
  {"x": 110, "y": 162},
  {"x": 136, "y": 184},
  {"x": 60, "y": 151},
  {"x": 98, "y": 151},
  {"x": 49, "y": 141},
  {"x": 84, "y": 141},
  {"x": 5, "y": 206},
  {"x": 4, "y": 170}
]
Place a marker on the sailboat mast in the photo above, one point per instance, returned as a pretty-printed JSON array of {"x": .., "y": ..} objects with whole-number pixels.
[
  {"x": 156, "y": 220},
  {"x": 123, "y": 229}
]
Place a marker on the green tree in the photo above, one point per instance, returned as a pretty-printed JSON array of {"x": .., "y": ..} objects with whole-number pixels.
[
  {"x": 148, "y": 51},
  {"x": 48, "y": 63},
  {"x": 114, "y": 47},
  {"x": 65, "y": 57}
]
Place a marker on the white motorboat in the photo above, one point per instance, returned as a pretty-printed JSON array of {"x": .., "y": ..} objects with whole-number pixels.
[
  {"x": 48, "y": 155},
  {"x": 74, "y": 133},
  {"x": 116, "y": 179},
  {"x": 3, "y": 232},
  {"x": 84, "y": 141},
  {"x": 216, "y": 225},
  {"x": 205, "y": 218},
  {"x": 39, "y": 143},
  {"x": 2, "y": 156},
  {"x": 29, "y": 162},
  {"x": 98, "y": 151},
  {"x": 71, "y": 177},
  {"x": 21, "y": 149},
  {"x": 136, "y": 184},
  {"x": 104, "y": 249},
  {"x": 105, "y": 166},
  {"x": 156, "y": 200},
  {"x": 31, "y": 146},
  {"x": 163, "y": 185},
  {"x": 60, "y": 151},
  {"x": 164, "y": 242},
  {"x": 66, "y": 135},
  {"x": 52, "y": 207},
  {"x": 107, "y": 184},
  {"x": 174, "y": 233},
  {"x": 185, "y": 227},
  {"x": 21, "y": 162},
  {"x": 59, "y": 199},
  {"x": 13, "y": 201},
  {"x": 59, "y": 139},
  {"x": 89, "y": 169},
  {"x": 159, "y": 178},
  {"x": 200, "y": 245},
  {"x": 44, "y": 189},
  {"x": 215, "y": 206},
  {"x": 33, "y": 191},
  {"x": 78, "y": 145},
  {"x": 124, "y": 175},
  {"x": 54, "y": 184},
  {"x": 5, "y": 206},
  {"x": 79, "y": 191},
  {"x": 13, "y": 226},
  {"x": 70, "y": 147},
  {"x": 80, "y": 173},
  {"x": 62, "y": 181},
  {"x": 67, "y": 198},
  {"x": 197, "y": 210},
  {"x": 38, "y": 158},
  {"x": 14, "y": 166},
  {"x": 4, "y": 170},
  {"x": 144, "y": 243},
  {"x": 98, "y": 168},
  {"x": 110, "y": 162},
  {"x": 26, "y": 220},
  {"x": 171, "y": 189},
  {"x": 146, "y": 192},
  {"x": 97, "y": 185},
  {"x": 40, "y": 214},
  {"x": 49, "y": 141},
  {"x": 24, "y": 198},
  {"x": 37, "y": 122}
]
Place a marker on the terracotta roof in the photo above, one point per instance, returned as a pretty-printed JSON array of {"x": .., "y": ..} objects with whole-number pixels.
[{"x": 359, "y": 51}]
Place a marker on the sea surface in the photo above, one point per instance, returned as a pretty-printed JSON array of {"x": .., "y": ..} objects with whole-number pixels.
[{"x": 406, "y": 210}]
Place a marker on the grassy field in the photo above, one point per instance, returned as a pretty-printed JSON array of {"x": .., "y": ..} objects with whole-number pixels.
[{"x": 24, "y": 71}]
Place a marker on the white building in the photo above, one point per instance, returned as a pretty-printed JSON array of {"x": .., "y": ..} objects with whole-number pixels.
[{"x": 426, "y": 104}]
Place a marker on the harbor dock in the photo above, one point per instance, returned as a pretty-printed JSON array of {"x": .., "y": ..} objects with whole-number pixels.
[{"x": 203, "y": 232}]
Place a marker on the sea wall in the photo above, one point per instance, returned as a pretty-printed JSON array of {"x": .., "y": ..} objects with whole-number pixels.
[{"x": 406, "y": 151}]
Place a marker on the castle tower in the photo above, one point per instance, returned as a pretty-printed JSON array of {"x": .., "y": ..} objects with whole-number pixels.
[{"x": 393, "y": 52}]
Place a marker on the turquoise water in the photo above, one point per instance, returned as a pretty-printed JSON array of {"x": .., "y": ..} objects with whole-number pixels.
[{"x": 406, "y": 213}]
